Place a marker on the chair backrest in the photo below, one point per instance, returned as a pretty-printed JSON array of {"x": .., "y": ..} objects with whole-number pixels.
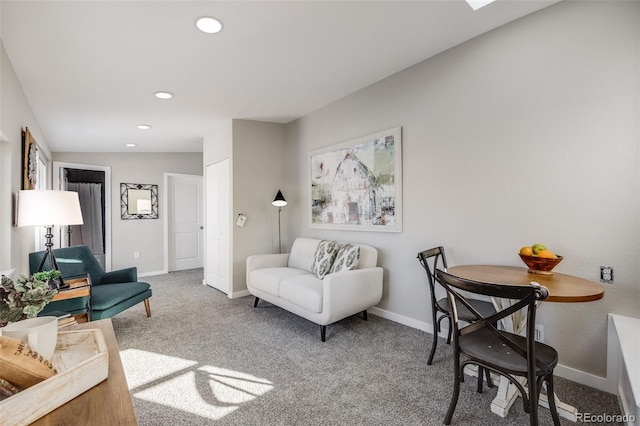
[
  {"x": 430, "y": 260},
  {"x": 72, "y": 262},
  {"x": 522, "y": 297}
]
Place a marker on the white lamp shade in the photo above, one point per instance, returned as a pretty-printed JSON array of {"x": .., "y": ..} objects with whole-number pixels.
[{"x": 48, "y": 208}]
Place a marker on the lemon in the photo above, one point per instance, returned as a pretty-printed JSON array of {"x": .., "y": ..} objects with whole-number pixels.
[{"x": 526, "y": 251}]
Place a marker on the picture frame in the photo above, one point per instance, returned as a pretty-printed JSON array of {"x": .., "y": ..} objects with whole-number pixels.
[
  {"x": 357, "y": 185},
  {"x": 29, "y": 160},
  {"x": 138, "y": 201}
]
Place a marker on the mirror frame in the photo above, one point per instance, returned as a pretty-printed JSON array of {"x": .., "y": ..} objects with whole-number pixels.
[{"x": 124, "y": 200}]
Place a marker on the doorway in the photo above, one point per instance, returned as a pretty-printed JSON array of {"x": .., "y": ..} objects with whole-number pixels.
[
  {"x": 184, "y": 222},
  {"x": 93, "y": 185}
]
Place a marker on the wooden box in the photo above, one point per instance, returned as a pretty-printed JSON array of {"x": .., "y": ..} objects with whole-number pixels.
[{"x": 82, "y": 362}]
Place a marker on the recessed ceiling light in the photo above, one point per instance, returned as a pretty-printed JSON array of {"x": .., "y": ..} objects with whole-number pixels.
[
  {"x": 164, "y": 95},
  {"x": 144, "y": 127},
  {"x": 130, "y": 145},
  {"x": 209, "y": 25},
  {"x": 477, "y": 4}
]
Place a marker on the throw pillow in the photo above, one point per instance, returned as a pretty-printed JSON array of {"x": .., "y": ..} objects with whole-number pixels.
[
  {"x": 346, "y": 259},
  {"x": 22, "y": 366},
  {"x": 324, "y": 257}
]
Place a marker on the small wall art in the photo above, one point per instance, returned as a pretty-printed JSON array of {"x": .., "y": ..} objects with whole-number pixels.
[{"x": 357, "y": 185}]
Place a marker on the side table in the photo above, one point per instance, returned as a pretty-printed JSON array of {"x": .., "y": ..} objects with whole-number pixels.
[{"x": 78, "y": 287}]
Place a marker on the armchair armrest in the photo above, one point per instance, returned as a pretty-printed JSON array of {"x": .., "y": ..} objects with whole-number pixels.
[
  {"x": 120, "y": 276},
  {"x": 349, "y": 292}
]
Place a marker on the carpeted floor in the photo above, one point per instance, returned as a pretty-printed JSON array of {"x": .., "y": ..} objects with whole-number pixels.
[{"x": 203, "y": 358}]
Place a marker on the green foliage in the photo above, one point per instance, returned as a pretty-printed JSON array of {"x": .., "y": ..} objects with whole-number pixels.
[
  {"x": 24, "y": 298},
  {"x": 45, "y": 276}
]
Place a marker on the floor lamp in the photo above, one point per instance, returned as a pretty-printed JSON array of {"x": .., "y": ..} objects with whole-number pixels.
[
  {"x": 279, "y": 202},
  {"x": 49, "y": 208}
]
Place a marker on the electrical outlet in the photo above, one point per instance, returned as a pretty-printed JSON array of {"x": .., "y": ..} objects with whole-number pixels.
[
  {"x": 136, "y": 255},
  {"x": 539, "y": 333},
  {"x": 606, "y": 274}
]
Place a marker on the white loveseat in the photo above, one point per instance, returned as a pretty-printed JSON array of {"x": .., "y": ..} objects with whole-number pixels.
[{"x": 287, "y": 281}]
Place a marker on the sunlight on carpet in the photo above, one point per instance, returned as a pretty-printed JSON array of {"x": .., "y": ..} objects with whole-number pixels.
[{"x": 204, "y": 390}]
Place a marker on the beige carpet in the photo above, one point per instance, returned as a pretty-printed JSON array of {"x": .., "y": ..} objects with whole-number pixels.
[{"x": 203, "y": 358}]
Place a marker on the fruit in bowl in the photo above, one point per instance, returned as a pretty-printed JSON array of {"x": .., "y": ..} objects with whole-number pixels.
[{"x": 539, "y": 259}]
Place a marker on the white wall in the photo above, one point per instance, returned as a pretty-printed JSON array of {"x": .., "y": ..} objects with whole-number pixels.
[
  {"x": 526, "y": 134},
  {"x": 145, "y": 235}
]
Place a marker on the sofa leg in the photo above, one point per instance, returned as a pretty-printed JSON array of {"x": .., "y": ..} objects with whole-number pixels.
[
  {"x": 364, "y": 315},
  {"x": 255, "y": 303},
  {"x": 323, "y": 332},
  {"x": 147, "y": 307}
]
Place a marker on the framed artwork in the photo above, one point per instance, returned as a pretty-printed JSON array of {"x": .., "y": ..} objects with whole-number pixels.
[
  {"x": 29, "y": 160},
  {"x": 138, "y": 201},
  {"x": 357, "y": 185}
]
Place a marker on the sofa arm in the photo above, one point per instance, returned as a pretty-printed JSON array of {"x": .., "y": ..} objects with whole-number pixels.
[
  {"x": 126, "y": 275},
  {"x": 348, "y": 292},
  {"x": 261, "y": 261}
]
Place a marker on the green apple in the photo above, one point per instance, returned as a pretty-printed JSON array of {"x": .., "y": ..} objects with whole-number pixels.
[{"x": 537, "y": 248}]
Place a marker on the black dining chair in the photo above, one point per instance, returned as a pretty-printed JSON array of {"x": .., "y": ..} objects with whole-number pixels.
[
  {"x": 499, "y": 351},
  {"x": 440, "y": 308}
]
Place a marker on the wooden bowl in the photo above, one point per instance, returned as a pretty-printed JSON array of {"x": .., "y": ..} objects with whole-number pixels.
[{"x": 540, "y": 265}]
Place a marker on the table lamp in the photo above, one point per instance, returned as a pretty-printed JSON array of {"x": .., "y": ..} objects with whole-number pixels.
[
  {"x": 279, "y": 202},
  {"x": 49, "y": 208}
]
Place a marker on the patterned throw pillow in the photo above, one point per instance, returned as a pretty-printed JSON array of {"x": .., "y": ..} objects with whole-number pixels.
[
  {"x": 346, "y": 259},
  {"x": 324, "y": 257}
]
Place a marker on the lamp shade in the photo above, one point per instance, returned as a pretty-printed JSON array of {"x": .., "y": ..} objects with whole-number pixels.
[
  {"x": 279, "y": 201},
  {"x": 48, "y": 208}
]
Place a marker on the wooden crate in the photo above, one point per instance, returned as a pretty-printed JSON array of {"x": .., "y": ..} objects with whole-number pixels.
[{"x": 82, "y": 362}]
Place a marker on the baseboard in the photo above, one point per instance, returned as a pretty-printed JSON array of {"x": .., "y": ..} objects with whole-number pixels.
[
  {"x": 149, "y": 274},
  {"x": 238, "y": 294},
  {"x": 568, "y": 373}
]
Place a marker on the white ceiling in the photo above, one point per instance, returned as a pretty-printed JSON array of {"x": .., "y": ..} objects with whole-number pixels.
[{"x": 89, "y": 69}]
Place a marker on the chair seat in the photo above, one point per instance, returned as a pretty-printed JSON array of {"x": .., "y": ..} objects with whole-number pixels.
[
  {"x": 484, "y": 345},
  {"x": 105, "y": 296},
  {"x": 485, "y": 308}
]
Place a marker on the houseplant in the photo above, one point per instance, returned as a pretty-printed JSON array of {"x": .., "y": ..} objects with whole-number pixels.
[
  {"x": 23, "y": 299},
  {"x": 52, "y": 278}
]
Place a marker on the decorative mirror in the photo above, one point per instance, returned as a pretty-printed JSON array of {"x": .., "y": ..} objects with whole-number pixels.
[{"x": 138, "y": 201}]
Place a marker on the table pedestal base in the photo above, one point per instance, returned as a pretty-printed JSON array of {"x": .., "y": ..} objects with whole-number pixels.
[{"x": 508, "y": 392}]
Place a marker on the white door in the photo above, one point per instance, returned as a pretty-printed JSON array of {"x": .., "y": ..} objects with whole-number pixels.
[
  {"x": 217, "y": 226},
  {"x": 185, "y": 222}
]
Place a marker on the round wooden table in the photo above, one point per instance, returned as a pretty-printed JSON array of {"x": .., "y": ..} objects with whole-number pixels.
[{"x": 562, "y": 287}]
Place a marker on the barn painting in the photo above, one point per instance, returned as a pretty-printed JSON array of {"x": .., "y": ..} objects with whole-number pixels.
[{"x": 357, "y": 185}]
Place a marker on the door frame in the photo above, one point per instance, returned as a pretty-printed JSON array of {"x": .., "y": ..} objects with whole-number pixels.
[
  {"x": 58, "y": 166},
  {"x": 164, "y": 202}
]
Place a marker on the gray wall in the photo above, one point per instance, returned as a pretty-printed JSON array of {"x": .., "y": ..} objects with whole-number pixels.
[
  {"x": 15, "y": 115},
  {"x": 145, "y": 235},
  {"x": 526, "y": 134}
]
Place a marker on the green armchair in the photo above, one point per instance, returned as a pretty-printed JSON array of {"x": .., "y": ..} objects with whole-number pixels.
[{"x": 111, "y": 292}]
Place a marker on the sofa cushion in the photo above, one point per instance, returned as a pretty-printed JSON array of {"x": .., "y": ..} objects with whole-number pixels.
[
  {"x": 324, "y": 257},
  {"x": 302, "y": 251},
  {"x": 346, "y": 259},
  {"x": 268, "y": 279},
  {"x": 304, "y": 291}
]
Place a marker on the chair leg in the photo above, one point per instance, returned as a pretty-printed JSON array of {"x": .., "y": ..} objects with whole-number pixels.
[
  {"x": 481, "y": 371},
  {"x": 147, "y": 307},
  {"x": 364, "y": 315},
  {"x": 489, "y": 381},
  {"x": 323, "y": 332},
  {"x": 255, "y": 302},
  {"x": 436, "y": 324},
  {"x": 456, "y": 389},
  {"x": 551, "y": 396}
]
